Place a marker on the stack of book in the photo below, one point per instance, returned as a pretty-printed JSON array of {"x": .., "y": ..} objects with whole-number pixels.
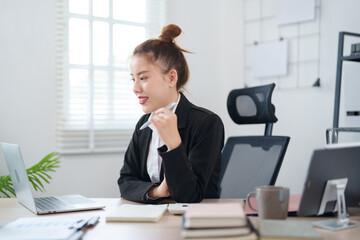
[{"x": 218, "y": 220}]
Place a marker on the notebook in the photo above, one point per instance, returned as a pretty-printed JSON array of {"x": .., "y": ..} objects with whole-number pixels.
[
  {"x": 251, "y": 236},
  {"x": 287, "y": 229},
  {"x": 137, "y": 213},
  {"x": 215, "y": 215},
  {"x": 22, "y": 187},
  {"x": 214, "y": 232}
]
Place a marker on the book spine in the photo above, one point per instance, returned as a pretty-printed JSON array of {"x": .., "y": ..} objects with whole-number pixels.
[{"x": 116, "y": 219}]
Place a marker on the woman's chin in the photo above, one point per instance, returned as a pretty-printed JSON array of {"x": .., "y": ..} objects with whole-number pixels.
[{"x": 146, "y": 109}]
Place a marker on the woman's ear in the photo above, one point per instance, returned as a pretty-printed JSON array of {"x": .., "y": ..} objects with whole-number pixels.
[{"x": 173, "y": 77}]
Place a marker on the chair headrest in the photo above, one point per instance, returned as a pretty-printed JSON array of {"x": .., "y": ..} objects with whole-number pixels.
[{"x": 252, "y": 105}]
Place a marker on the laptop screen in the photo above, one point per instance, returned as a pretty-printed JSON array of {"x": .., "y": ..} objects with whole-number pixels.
[
  {"x": 18, "y": 175},
  {"x": 330, "y": 164}
]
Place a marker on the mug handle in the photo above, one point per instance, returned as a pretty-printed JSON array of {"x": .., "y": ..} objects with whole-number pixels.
[{"x": 248, "y": 201}]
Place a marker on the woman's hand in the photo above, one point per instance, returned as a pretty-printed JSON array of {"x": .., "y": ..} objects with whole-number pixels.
[
  {"x": 160, "y": 191},
  {"x": 165, "y": 122}
]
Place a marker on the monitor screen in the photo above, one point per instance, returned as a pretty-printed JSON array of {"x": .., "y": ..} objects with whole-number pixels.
[{"x": 335, "y": 162}]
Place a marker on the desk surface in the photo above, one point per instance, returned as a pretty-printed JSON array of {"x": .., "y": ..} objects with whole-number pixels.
[{"x": 168, "y": 227}]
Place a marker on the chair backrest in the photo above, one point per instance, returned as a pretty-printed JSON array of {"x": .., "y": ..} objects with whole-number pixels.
[
  {"x": 250, "y": 161},
  {"x": 253, "y": 106}
]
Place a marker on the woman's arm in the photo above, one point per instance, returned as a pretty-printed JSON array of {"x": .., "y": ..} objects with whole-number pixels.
[
  {"x": 134, "y": 182},
  {"x": 188, "y": 174}
]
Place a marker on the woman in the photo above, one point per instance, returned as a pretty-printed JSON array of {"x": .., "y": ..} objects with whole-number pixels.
[{"x": 178, "y": 155}]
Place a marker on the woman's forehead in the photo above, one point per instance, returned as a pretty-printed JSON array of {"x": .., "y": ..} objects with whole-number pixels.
[{"x": 140, "y": 64}]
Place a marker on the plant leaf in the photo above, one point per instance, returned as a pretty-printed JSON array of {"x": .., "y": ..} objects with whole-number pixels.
[
  {"x": 36, "y": 174},
  {"x": 41, "y": 174},
  {"x": 6, "y": 187},
  {"x": 36, "y": 181},
  {"x": 5, "y": 193}
]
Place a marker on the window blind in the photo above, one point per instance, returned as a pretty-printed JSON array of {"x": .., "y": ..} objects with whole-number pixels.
[{"x": 96, "y": 108}]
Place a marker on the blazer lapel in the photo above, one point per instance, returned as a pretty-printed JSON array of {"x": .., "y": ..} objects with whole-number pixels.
[
  {"x": 145, "y": 145},
  {"x": 182, "y": 111}
]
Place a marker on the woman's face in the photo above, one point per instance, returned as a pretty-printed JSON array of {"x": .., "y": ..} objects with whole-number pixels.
[{"x": 153, "y": 88}]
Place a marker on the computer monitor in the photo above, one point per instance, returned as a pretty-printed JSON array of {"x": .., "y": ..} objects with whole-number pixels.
[{"x": 334, "y": 162}]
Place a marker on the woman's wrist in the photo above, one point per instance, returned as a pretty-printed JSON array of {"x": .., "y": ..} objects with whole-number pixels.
[
  {"x": 158, "y": 192},
  {"x": 148, "y": 197},
  {"x": 174, "y": 144},
  {"x": 152, "y": 193}
]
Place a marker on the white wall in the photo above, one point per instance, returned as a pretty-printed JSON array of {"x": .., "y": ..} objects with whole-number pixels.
[
  {"x": 304, "y": 113},
  {"x": 200, "y": 23},
  {"x": 27, "y": 101},
  {"x": 213, "y": 31}
]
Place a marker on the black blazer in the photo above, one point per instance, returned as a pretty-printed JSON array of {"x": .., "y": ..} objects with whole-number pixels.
[{"x": 192, "y": 170}]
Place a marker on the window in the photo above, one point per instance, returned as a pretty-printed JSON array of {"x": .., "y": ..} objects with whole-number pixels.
[{"x": 97, "y": 110}]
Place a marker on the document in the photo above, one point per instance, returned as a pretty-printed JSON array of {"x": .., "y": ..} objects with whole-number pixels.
[{"x": 47, "y": 228}]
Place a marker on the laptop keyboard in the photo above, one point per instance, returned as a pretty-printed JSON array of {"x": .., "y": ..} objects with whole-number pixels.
[{"x": 50, "y": 203}]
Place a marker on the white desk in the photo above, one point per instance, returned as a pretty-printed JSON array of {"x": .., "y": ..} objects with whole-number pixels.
[{"x": 167, "y": 228}]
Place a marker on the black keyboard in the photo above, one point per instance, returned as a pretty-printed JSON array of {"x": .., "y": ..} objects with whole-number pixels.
[{"x": 50, "y": 203}]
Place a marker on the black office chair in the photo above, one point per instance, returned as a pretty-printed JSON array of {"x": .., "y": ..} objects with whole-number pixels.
[{"x": 251, "y": 161}]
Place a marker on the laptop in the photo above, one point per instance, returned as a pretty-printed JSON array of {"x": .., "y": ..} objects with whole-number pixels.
[
  {"x": 44, "y": 205},
  {"x": 334, "y": 162}
]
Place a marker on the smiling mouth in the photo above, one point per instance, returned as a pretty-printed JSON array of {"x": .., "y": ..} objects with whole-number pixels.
[{"x": 143, "y": 100}]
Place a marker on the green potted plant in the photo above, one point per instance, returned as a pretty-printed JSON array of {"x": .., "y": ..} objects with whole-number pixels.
[{"x": 38, "y": 174}]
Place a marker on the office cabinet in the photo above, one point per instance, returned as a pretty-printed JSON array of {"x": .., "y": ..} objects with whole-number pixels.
[{"x": 339, "y": 71}]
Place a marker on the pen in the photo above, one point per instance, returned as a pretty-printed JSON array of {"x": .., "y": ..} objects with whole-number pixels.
[
  {"x": 78, "y": 225},
  {"x": 145, "y": 125},
  {"x": 82, "y": 223},
  {"x": 93, "y": 221}
]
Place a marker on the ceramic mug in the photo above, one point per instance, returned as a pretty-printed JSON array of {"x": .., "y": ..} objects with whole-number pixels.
[{"x": 272, "y": 202}]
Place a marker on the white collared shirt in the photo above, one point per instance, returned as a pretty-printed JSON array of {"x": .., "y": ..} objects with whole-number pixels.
[{"x": 154, "y": 160}]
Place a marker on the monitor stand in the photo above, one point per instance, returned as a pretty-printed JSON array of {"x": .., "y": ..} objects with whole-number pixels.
[{"x": 335, "y": 190}]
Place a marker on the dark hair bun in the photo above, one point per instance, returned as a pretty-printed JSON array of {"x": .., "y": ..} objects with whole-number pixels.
[{"x": 169, "y": 33}]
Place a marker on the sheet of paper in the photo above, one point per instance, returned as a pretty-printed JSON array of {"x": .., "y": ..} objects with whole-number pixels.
[
  {"x": 270, "y": 59},
  {"x": 41, "y": 228},
  {"x": 293, "y": 11}
]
